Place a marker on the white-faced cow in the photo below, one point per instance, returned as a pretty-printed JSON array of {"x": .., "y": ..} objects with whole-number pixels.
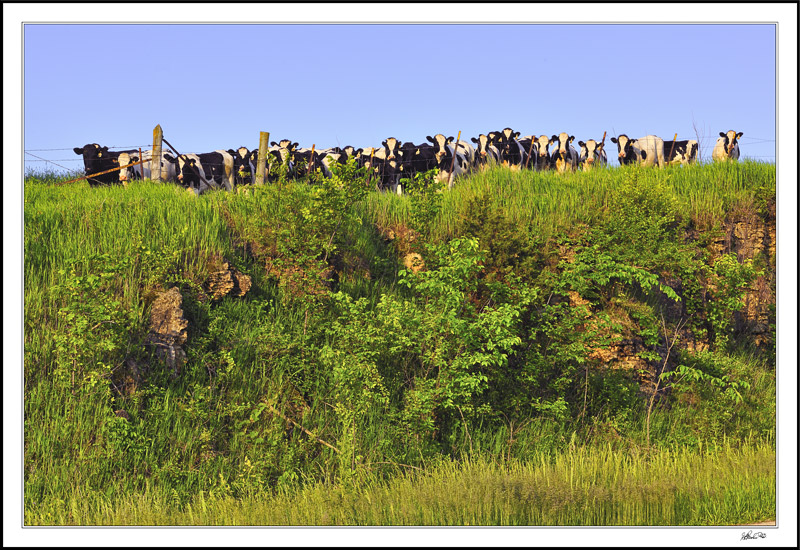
[
  {"x": 443, "y": 152},
  {"x": 215, "y": 168},
  {"x": 681, "y": 152},
  {"x": 727, "y": 146},
  {"x": 564, "y": 157},
  {"x": 244, "y": 170},
  {"x": 168, "y": 172},
  {"x": 541, "y": 150},
  {"x": 97, "y": 158},
  {"x": 592, "y": 154},
  {"x": 486, "y": 153},
  {"x": 647, "y": 151}
]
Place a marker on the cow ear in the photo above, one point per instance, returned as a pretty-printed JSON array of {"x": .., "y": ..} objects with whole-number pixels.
[
  {"x": 451, "y": 138},
  {"x": 115, "y": 161},
  {"x": 78, "y": 150},
  {"x": 722, "y": 134},
  {"x": 429, "y": 138},
  {"x": 516, "y": 135},
  {"x": 613, "y": 140},
  {"x": 740, "y": 134},
  {"x": 169, "y": 157},
  {"x": 553, "y": 138},
  {"x": 581, "y": 143},
  {"x": 571, "y": 139},
  {"x": 272, "y": 143},
  {"x": 232, "y": 152},
  {"x": 294, "y": 145},
  {"x": 134, "y": 159},
  {"x": 473, "y": 140}
]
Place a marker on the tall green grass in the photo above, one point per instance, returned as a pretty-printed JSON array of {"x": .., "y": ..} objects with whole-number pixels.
[
  {"x": 585, "y": 486},
  {"x": 548, "y": 203}
]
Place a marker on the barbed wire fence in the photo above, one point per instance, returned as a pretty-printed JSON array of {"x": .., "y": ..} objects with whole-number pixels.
[{"x": 39, "y": 160}]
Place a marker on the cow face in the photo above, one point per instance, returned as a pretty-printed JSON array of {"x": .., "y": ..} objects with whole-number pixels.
[
  {"x": 242, "y": 170},
  {"x": 439, "y": 146},
  {"x": 131, "y": 172},
  {"x": 98, "y": 159},
  {"x": 188, "y": 172},
  {"x": 624, "y": 148},
  {"x": 591, "y": 153},
  {"x": 564, "y": 141},
  {"x": 731, "y": 140},
  {"x": 543, "y": 144}
]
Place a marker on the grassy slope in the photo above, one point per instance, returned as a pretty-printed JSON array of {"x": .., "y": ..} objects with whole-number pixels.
[{"x": 172, "y": 449}]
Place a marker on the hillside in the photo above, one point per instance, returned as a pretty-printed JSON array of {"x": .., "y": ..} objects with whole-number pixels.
[{"x": 285, "y": 336}]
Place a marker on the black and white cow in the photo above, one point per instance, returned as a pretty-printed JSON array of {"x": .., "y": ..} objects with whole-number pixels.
[
  {"x": 168, "y": 173},
  {"x": 541, "y": 150},
  {"x": 592, "y": 154},
  {"x": 512, "y": 153},
  {"x": 215, "y": 168},
  {"x": 564, "y": 157},
  {"x": 727, "y": 146},
  {"x": 683, "y": 152},
  {"x": 647, "y": 151},
  {"x": 391, "y": 166},
  {"x": 443, "y": 150},
  {"x": 486, "y": 153},
  {"x": 97, "y": 158},
  {"x": 244, "y": 171}
]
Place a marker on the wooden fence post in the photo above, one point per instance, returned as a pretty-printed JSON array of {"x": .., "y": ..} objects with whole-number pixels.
[
  {"x": 671, "y": 149},
  {"x": 155, "y": 160},
  {"x": 263, "y": 151}
]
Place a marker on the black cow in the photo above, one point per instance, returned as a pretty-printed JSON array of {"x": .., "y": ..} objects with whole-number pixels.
[
  {"x": 416, "y": 159},
  {"x": 96, "y": 159},
  {"x": 244, "y": 171},
  {"x": 512, "y": 154}
]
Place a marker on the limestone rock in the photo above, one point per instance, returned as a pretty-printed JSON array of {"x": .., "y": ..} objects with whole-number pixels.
[
  {"x": 168, "y": 328},
  {"x": 223, "y": 280}
]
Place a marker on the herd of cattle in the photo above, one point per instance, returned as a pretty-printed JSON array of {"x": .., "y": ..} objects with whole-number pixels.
[{"x": 396, "y": 160}]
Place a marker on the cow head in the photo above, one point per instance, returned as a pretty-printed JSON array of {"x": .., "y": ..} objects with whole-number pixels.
[
  {"x": 731, "y": 140},
  {"x": 392, "y": 147},
  {"x": 591, "y": 153},
  {"x": 564, "y": 141},
  {"x": 625, "y": 148},
  {"x": 481, "y": 150},
  {"x": 128, "y": 173},
  {"x": 439, "y": 146},
  {"x": 98, "y": 159},
  {"x": 241, "y": 165},
  {"x": 188, "y": 172}
]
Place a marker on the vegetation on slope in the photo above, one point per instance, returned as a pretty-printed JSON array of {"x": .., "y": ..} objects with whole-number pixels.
[{"x": 517, "y": 316}]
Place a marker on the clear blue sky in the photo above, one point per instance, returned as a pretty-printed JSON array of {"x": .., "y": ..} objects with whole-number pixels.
[{"x": 217, "y": 86}]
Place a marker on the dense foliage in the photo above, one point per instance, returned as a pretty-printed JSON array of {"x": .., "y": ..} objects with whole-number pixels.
[{"x": 538, "y": 312}]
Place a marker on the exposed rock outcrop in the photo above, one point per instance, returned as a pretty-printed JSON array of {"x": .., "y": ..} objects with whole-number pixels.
[
  {"x": 224, "y": 279},
  {"x": 168, "y": 329}
]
